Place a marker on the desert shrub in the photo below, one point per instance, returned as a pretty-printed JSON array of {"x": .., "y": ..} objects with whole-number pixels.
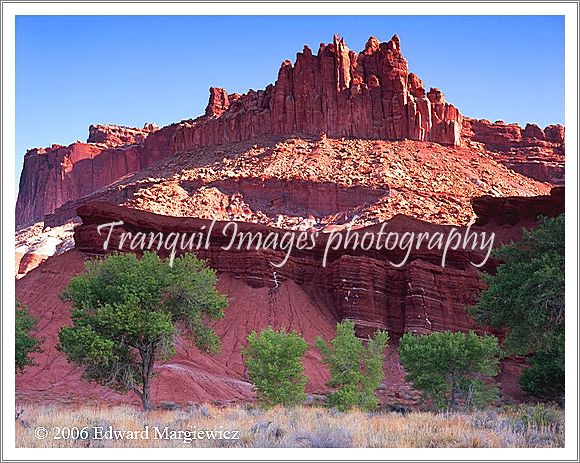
[
  {"x": 274, "y": 362},
  {"x": 526, "y": 296},
  {"x": 127, "y": 311},
  {"x": 26, "y": 342},
  {"x": 449, "y": 368},
  {"x": 356, "y": 368},
  {"x": 541, "y": 415}
]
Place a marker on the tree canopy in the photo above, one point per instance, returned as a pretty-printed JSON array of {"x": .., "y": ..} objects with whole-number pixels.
[
  {"x": 26, "y": 342},
  {"x": 127, "y": 312},
  {"x": 526, "y": 296},
  {"x": 356, "y": 367},
  {"x": 450, "y": 367}
]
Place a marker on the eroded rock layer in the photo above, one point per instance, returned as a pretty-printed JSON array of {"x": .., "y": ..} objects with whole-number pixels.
[
  {"x": 55, "y": 175},
  {"x": 336, "y": 91},
  {"x": 358, "y": 284},
  {"x": 302, "y": 295},
  {"x": 532, "y": 151}
]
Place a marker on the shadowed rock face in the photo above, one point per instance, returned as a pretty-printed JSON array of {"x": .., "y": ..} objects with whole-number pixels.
[
  {"x": 358, "y": 284},
  {"x": 302, "y": 295}
]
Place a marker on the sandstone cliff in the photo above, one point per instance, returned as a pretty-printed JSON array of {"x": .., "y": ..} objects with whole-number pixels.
[
  {"x": 52, "y": 176},
  {"x": 419, "y": 297},
  {"x": 336, "y": 91},
  {"x": 115, "y": 135},
  {"x": 358, "y": 284},
  {"x": 532, "y": 151}
]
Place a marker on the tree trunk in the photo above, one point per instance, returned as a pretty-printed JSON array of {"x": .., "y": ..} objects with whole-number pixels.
[
  {"x": 453, "y": 404},
  {"x": 146, "y": 397},
  {"x": 148, "y": 360}
]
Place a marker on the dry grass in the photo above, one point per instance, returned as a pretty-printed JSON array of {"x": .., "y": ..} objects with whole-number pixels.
[{"x": 526, "y": 426}]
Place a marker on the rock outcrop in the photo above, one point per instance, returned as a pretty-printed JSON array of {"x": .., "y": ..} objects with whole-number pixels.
[
  {"x": 335, "y": 91},
  {"x": 420, "y": 297},
  {"x": 52, "y": 176},
  {"x": 517, "y": 210},
  {"x": 299, "y": 182},
  {"x": 116, "y": 135},
  {"x": 532, "y": 151},
  {"x": 359, "y": 284},
  {"x": 37, "y": 243}
]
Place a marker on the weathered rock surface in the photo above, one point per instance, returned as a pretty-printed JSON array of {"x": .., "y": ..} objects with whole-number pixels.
[
  {"x": 335, "y": 91},
  {"x": 116, "y": 135},
  {"x": 359, "y": 284},
  {"x": 516, "y": 210},
  {"x": 302, "y": 295},
  {"x": 57, "y": 174},
  {"x": 532, "y": 151},
  {"x": 37, "y": 243},
  {"x": 318, "y": 182}
]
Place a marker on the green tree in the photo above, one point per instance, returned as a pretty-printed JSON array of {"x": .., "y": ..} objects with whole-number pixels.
[
  {"x": 274, "y": 362},
  {"x": 356, "y": 369},
  {"x": 526, "y": 296},
  {"x": 127, "y": 312},
  {"x": 546, "y": 374},
  {"x": 26, "y": 342},
  {"x": 450, "y": 367}
]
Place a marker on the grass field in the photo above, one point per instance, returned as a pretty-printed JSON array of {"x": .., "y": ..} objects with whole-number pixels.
[{"x": 524, "y": 426}]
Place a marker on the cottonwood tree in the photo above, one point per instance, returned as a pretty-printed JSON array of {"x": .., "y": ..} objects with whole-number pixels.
[
  {"x": 356, "y": 367},
  {"x": 450, "y": 368},
  {"x": 526, "y": 296},
  {"x": 127, "y": 312},
  {"x": 274, "y": 362},
  {"x": 25, "y": 341}
]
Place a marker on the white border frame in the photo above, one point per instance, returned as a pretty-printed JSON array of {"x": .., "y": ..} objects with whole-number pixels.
[{"x": 567, "y": 9}]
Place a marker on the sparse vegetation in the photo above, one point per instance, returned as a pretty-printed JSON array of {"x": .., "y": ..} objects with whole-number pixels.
[
  {"x": 274, "y": 361},
  {"x": 525, "y": 426},
  {"x": 26, "y": 342},
  {"x": 356, "y": 368},
  {"x": 449, "y": 368},
  {"x": 526, "y": 296},
  {"x": 126, "y": 312}
]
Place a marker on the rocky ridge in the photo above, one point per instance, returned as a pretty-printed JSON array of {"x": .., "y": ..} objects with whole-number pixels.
[
  {"x": 532, "y": 151},
  {"x": 298, "y": 183},
  {"x": 54, "y": 175},
  {"x": 335, "y": 93}
]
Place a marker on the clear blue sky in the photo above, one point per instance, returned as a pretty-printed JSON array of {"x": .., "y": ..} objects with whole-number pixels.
[{"x": 72, "y": 71}]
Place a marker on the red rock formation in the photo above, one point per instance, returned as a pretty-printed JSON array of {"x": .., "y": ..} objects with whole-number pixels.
[
  {"x": 116, "y": 135},
  {"x": 531, "y": 151},
  {"x": 58, "y": 174},
  {"x": 295, "y": 181},
  {"x": 360, "y": 285},
  {"x": 517, "y": 209},
  {"x": 420, "y": 297},
  {"x": 554, "y": 133},
  {"x": 337, "y": 92}
]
